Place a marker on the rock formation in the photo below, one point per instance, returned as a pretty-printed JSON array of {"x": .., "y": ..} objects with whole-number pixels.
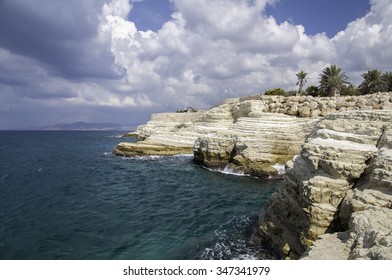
[
  {"x": 341, "y": 177},
  {"x": 255, "y": 141},
  {"x": 251, "y": 134},
  {"x": 164, "y": 134},
  {"x": 336, "y": 198}
]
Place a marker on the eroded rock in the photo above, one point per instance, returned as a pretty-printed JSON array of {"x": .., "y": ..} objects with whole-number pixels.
[{"x": 333, "y": 159}]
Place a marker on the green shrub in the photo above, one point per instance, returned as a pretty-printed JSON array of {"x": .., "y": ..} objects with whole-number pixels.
[
  {"x": 313, "y": 91},
  {"x": 350, "y": 90},
  {"x": 291, "y": 93},
  {"x": 275, "y": 91}
]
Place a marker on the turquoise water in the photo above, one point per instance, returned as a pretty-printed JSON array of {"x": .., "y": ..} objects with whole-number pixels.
[{"x": 65, "y": 196}]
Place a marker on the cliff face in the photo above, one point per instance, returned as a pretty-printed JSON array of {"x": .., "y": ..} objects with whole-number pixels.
[
  {"x": 164, "y": 134},
  {"x": 237, "y": 134},
  {"x": 336, "y": 199},
  {"x": 340, "y": 179},
  {"x": 255, "y": 141},
  {"x": 250, "y": 134},
  {"x": 366, "y": 211}
]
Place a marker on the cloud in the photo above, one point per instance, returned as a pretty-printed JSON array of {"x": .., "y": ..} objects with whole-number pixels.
[
  {"x": 59, "y": 35},
  {"x": 211, "y": 50},
  {"x": 89, "y": 55},
  {"x": 364, "y": 43}
]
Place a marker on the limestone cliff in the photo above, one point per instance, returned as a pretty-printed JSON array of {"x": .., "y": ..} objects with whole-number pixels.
[
  {"x": 335, "y": 201},
  {"x": 251, "y": 134},
  {"x": 255, "y": 141},
  {"x": 164, "y": 134},
  {"x": 344, "y": 167}
]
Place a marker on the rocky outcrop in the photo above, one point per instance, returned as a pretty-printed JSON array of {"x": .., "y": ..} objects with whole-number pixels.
[
  {"x": 237, "y": 134},
  {"x": 369, "y": 237},
  {"x": 164, "y": 134},
  {"x": 336, "y": 198},
  {"x": 269, "y": 130},
  {"x": 255, "y": 142},
  {"x": 342, "y": 177},
  {"x": 250, "y": 134},
  {"x": 366, "y": 210}
]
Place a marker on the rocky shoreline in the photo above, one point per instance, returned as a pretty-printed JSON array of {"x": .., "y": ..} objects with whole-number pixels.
[
  {"x": 338, "y": 156},
  {"x": 340, "y": 179}
]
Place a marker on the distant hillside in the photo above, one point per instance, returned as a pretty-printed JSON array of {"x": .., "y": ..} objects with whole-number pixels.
[{"x": 86, "y": 126}]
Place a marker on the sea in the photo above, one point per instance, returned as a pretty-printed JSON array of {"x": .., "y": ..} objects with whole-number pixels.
[{"x": 64, "y": 195}]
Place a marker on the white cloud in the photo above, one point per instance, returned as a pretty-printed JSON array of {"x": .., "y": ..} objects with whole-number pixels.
[
  {"x": 215, "y": 49},
  {"x": 117, "y": 8},
  {"x": 365, "y": 44},
  {"x": 209, "y": 50}
]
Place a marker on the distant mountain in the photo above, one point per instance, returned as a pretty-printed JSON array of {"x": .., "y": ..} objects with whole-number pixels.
[{"x": 86, "y": 126}]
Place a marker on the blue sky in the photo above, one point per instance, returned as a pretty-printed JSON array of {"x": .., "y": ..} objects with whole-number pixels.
[
  {"x": 151, "y": 14},
  {"x": 317, "y": 16},
  {"x": 329, "y": 16},
  {"x": 119, "y": 61}
]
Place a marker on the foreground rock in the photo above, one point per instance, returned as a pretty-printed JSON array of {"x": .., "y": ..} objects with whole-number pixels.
[
  {"x": 341, "y": 179},
  {"x": 369, "y": 237}
]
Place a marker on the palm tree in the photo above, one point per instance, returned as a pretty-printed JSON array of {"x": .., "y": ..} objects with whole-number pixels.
[
  {"x": 332, "y": 79},
  {"x": 301, "y": 80},
  {"x": 386, "y": 78},
  {"x": 372, "y": 82}
]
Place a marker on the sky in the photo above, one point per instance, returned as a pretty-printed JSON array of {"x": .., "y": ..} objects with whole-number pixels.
[{"x": 119, "y": 61}]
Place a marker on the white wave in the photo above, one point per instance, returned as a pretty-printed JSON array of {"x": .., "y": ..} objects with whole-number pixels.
[
  {"x": 281, "y": 168},
  {"x": 183, "y": 155},
  {"x": 228, "y": 245},
  {"x": 115, "y": 136},
  {"x": 156, "y": 157},
  {"x": 144, "y": 158},
  {"x": 228, "y": 171}
]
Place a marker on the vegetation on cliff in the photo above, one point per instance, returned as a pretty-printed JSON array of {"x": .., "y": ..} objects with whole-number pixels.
[
  {"x": 334, "y": 82},
  {"x": 301, "y": 81}
]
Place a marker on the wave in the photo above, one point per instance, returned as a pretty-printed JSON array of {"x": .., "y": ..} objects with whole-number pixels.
[
  {"x": 156, "y": 157},
  {"x": 183, "y": 156},
  {"x": 144, "y": 158},
  {"x": 228, "y": 170},
  {"x": 281, "y": 168},
  {"x": 115, "y": 136},
  {"x": 231, "y": 243}
]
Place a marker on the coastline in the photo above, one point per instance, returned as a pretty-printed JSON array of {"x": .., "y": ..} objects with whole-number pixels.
[{"x": 330, "y": 146}]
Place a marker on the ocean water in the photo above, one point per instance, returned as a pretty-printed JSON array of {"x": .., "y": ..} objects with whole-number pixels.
[{"x": 63, "y": 195}]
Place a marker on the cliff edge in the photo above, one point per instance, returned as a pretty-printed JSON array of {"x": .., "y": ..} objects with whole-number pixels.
[
  {"x": 335, "y": 202},
  {"x": 254, "y": 135}
]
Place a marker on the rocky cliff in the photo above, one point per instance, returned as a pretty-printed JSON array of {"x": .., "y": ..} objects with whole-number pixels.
[
  {"x": 164, "y": 134},
  {"x": 250, "y": 134},
  {"x": 335, "y": 201},
  {"x": 341, "y": 183}
]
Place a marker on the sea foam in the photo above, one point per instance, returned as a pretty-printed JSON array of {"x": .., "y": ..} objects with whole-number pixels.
[{"x": 228, "y": 170}]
